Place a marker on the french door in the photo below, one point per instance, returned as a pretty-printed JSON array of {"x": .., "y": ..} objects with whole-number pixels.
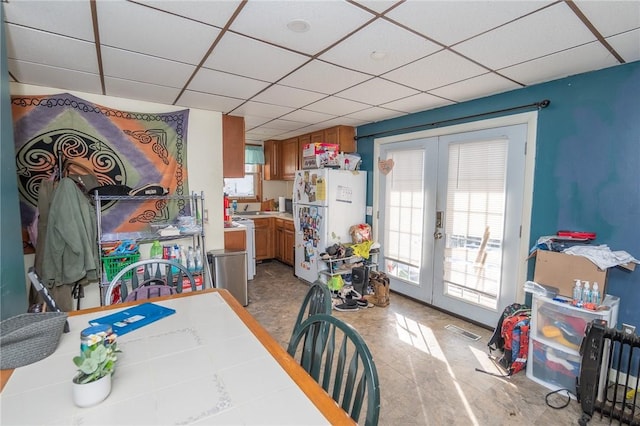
[{"x": 450, "y": 210}]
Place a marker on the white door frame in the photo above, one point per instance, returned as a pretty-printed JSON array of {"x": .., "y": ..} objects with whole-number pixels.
[{"x": 528, "y": 118}]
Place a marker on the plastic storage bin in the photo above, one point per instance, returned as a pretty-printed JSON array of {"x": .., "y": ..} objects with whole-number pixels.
[
  {"x": 557, "y": 329},
  {"x": 114, "y": 264}
]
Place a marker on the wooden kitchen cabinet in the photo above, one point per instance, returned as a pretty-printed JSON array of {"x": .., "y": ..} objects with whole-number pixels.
[
  {"x": 289, "y": 158},
  {"x": 343, "y": 136},
  {"x": 232, "y": 146},
  {"x": 271, "y": 169},
  {"x": 302, "y": 141},
  {"x": 264, "y": 236},
  {"x": 288, "y": 256},
  {"x": 284, "y": 241},
  {"x": 235, "y": 240}
]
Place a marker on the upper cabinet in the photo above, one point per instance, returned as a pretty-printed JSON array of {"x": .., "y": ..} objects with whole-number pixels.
[
  {"x": 232, "y": 146},
  {"x": 289, "y": 155},
  {"x": 283, "y": 158},
  {"x": 271, "y": 169}
]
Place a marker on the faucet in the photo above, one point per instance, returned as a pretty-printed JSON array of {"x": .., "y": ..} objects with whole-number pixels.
[{"x": 246, "y": 206}]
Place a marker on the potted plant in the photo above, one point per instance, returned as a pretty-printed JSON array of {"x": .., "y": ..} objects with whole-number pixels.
[{"x": 96, "y": 364}]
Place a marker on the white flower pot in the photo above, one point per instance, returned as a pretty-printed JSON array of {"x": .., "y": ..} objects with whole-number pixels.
[{"x": 89, "y": 394}]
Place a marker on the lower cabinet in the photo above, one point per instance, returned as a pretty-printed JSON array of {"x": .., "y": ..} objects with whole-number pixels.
[
  {"x": 284, "y": 241},
  {"x": 235, "y": 240},
  {"x": 264, "y": 233}
]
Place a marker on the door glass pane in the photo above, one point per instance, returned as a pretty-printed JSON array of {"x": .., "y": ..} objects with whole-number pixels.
[
  {"x": 474, "y": 221},
  {"x": 404, "y": 215}
]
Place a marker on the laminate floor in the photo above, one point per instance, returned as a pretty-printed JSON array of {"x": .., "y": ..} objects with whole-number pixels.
[{"x": 427, "y": 372}]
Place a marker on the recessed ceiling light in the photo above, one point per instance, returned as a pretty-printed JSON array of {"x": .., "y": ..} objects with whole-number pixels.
[
  {"x": 378, "y": 55},
  {"x": 299, "y": 26}
]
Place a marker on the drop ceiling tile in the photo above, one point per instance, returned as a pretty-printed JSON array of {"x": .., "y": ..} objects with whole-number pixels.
[
  {"x": 562, "y": 64},
  {"x": 264, "y": 133},
  {"x": 141, "y": 91},
  {"x": 252, "y": 121},
  {"x": 329, "y": 22},
  {"x": 376, "y": 91},
  {"x": 283, "y": 125},
  {"x": 548, "y": 31},
  {"x": 214, "y": 13},
  {"x": 61, "y": 78},
  {"x": 258, "y": 60},
  {"x": 374, "y": 114},
  {"x": 141, "y": 29},
  {"x": 288, "y": 96},
  {"x": 627, "y": 45},
  {"x": 223, "y": 104},
  {"x": 220, "y": 83},
  {"x": 261, "y": 109},
  {"x": 134, "y": 66},
  {"x": 436, "y": 70},
  {"x": 49, "y": 49},
  {"x": 399, "y": 45},
  {"x": 379, "y": 6},
  {"x": 337, "y": 106},
  {"x": 416, "y": 103},
  {"x": 450, "y": 22},
  {"x": 477, "y": 87},
  {"x": 308, "y": 117},
  {"x": 68, "y": 18},
  {"x": 324, "y": 78},
  {"x": 611, "y": 17},
  {"x": 345, "y": 120}
]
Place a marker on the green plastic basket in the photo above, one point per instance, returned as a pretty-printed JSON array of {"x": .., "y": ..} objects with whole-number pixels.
[{"x": 114, "y": 264}]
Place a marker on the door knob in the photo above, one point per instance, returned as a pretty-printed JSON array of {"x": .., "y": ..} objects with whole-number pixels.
[{"x": 437, "y": 235}]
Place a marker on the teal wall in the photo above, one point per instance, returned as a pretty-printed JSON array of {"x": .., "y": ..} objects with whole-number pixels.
[
  {"x": 587, "y": 161},
  {"x": 13, "y": 297}
]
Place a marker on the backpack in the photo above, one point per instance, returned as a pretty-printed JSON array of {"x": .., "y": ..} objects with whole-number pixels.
[{"x": 511, "y": 336}]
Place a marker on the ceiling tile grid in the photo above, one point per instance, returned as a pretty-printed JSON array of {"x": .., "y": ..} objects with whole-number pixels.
[{"x": 298, "y": 66}]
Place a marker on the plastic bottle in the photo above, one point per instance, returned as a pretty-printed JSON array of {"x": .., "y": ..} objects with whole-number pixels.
[
  {"x": 577, "y": 292},
  {"x": 586, "y": 293},
  {"x": 595, "y": 294},
  {"x": 191, "y": 260},
  {"x": 156, "y": 250},
  {"x": 234, "y": 206},
  {"x": 198, "y": 259}
]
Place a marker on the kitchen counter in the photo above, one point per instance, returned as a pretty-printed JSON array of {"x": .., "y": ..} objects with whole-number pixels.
[
  {"x": 234, "y": 227},
  {"x": 263, "y": 214}
]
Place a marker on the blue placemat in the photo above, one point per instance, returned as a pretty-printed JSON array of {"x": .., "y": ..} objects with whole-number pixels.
[{"x": 134, "y": 317}]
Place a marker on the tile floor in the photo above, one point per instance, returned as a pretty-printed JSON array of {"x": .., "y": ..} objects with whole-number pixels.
[{"x": 427, "y": 373}]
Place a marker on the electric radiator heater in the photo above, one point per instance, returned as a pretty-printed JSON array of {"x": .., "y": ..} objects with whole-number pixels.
[{"x": 600, "y": 387}]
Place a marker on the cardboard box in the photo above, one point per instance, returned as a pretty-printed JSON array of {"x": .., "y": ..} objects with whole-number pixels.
[
  {"x": 316, "y": 155},
  {"x": 561, "y": 270}
]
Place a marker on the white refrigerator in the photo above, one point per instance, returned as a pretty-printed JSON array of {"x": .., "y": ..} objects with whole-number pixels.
[{"x": 326, "y": 203}]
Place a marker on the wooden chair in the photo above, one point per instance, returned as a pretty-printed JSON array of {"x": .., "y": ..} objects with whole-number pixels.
[
  {"x": 150, "y": 278},
  {"x": 340, "y": 361},
  {"x": 316, "y": 301}
]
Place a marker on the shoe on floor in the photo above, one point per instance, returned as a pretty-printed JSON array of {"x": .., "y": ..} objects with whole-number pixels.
[{"x": 347, "y": 306}]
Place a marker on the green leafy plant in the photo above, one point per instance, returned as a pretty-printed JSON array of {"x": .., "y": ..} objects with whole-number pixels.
[{"x": 98, "y": 360}]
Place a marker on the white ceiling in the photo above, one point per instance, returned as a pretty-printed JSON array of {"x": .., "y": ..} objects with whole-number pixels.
[{"x": 240, "y": 57}]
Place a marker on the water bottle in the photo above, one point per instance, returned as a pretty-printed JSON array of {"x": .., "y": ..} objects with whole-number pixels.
[
  {"x": 577, "y": 292},
  {"x": 586, "y": 293},
  {"x": 198, "y": 259},
  {"x": 191, "y": 260},
  {"x": 156, "y": 250},
  {"x": 595, "y": 294}
]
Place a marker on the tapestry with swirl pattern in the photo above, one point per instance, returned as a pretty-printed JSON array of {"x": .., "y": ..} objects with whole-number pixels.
[{"x": 120, "y": 147}]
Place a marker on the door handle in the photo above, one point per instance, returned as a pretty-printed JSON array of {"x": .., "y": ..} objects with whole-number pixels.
[{"x": 439, "y": 220}]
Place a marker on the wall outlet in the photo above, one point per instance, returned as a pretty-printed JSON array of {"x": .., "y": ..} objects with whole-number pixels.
[
  {"x": 628, "y": 329},
  {"x": 369, "y": 210}
]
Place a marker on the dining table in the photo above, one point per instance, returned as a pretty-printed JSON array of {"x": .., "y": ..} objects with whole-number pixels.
[{"x": 210, "y": 362}]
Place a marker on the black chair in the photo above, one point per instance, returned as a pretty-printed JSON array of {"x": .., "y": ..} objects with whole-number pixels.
[
  {"x": 337, "y": 357},
  {"x": 316, "y": 301},
  {"x": 150, "y": 278}
]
